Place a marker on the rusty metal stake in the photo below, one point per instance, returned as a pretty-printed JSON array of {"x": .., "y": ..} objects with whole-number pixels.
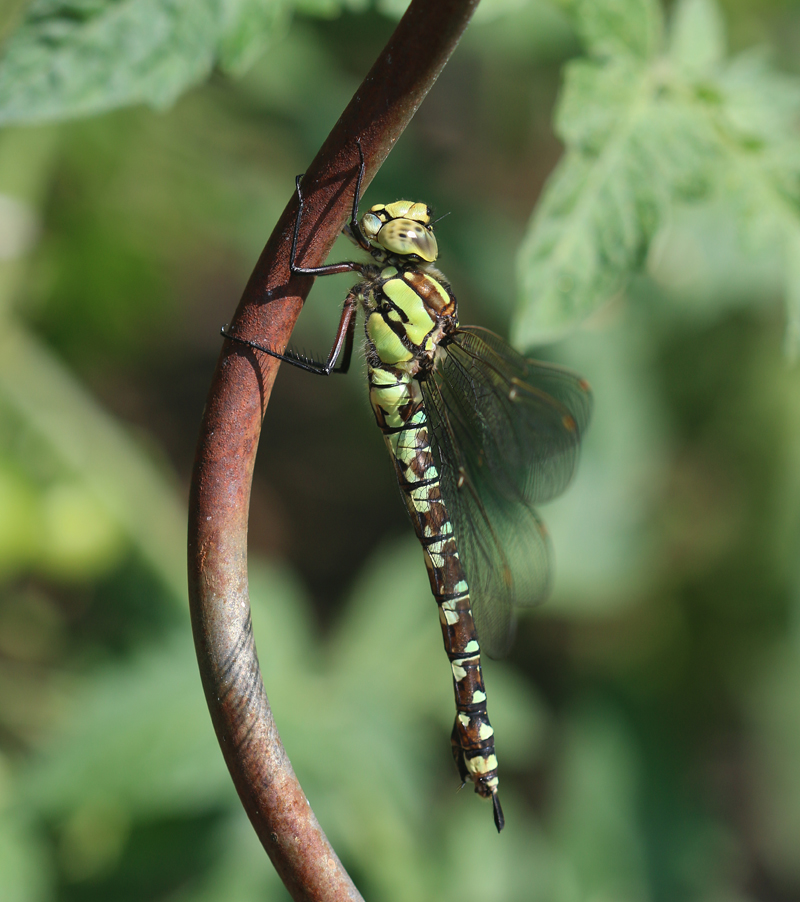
[{"x": 220, "y": 492}]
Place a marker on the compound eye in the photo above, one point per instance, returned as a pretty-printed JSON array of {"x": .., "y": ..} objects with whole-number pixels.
[
  {"x": 371, "y": 225},
  {"x": 406, "y": 237}
]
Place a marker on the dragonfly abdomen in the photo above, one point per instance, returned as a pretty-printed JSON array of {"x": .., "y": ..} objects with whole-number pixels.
[{"x": 398, "y": 407}]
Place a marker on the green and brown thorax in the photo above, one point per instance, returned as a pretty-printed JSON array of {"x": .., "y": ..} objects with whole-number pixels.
[{"x": 409, "y": 312}]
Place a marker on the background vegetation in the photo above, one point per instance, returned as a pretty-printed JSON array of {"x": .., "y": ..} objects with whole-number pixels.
[{"x": 648, "y": 720}]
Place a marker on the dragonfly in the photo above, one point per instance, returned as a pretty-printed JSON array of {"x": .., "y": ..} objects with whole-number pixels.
[{"x": 478, "y": 435}]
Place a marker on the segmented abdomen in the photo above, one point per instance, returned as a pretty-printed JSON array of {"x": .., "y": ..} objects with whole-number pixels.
[{"x": 397, "y": 401}]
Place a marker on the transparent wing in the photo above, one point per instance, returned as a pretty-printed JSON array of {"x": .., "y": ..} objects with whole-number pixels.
[
  {"x": 529, "y": 416},
  {"x": 505, "y": 433}
]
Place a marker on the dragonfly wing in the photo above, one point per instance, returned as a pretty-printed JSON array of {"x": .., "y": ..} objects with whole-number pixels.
[
  {"x": 502, "y": 544},
  {"x": 505, "y": 433},
  {"x": 527, "y": 417}
]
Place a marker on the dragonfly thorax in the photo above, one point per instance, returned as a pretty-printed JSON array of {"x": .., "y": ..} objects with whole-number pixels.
[{"x": 402, "y": 228}]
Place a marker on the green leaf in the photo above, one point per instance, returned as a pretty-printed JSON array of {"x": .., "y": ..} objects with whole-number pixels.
[
  {"x": 82, "y": 57},
  {"x": 759, "y": 104},
  {"x": 594, "y": 101},
  {"x": 616, "y": 29},
  {"x": 248, "y": 28},
  {"x": 79, "y": 57},
  {"x": 759, "y": 112},
  {"x": 697, "y": 36},
  {"x": 633, "y": 145},
  {"x": 644, "y": 132}
]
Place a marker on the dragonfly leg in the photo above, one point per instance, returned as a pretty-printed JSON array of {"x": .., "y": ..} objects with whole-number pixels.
[
  {"x": 458, "y": 754},
  {"x": 354, "y": 231},
  {"x": 342, "y": 343},
  {"x": 346, "y": 330}
]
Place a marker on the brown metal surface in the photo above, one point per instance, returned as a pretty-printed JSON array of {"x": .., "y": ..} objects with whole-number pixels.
[{"x": 220, "y": 492}]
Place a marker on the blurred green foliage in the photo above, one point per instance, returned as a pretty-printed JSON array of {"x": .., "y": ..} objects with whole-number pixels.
[{"x": 648, "y": 722}]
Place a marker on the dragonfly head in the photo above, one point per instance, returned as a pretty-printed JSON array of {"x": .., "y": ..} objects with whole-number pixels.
[{"x": 402, "y": 228}]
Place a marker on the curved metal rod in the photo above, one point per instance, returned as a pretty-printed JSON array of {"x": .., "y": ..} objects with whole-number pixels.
[{"x": 220, "y": 492}]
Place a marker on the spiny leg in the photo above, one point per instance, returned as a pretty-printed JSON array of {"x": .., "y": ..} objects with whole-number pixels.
[
  {"x": 345, "y": 334},
  {"x": 346, "y": 330},
  {"x": 330, "y": 269}
]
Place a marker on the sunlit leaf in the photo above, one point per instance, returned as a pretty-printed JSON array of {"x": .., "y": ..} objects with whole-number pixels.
[
  {"x": 697, "y": 35},
  {"x": 620, "y": 28},
  {"x": 644, "y": 133},
  {"x": 638, "y": 148},
  {"x": 78, "y": 57}
]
